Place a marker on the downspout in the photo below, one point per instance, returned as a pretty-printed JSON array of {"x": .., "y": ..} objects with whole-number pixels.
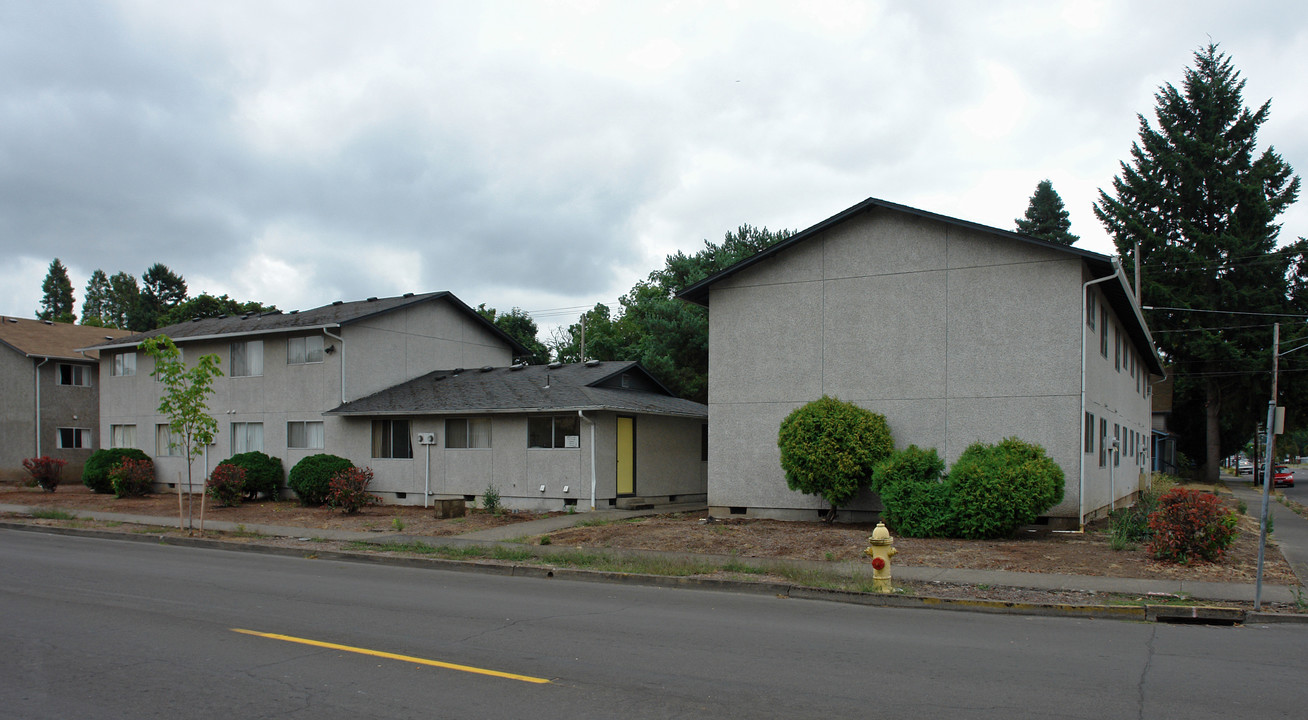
[
  {"x": 1085, "y": 290},
  {"x": 582, "y": 415},
  {"x": 37, "y": 376},
  {"x": 341, "y": 340}
]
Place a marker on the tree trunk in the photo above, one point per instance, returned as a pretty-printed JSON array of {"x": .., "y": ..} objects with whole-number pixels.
[
  {"x": 181, "y": 513},
  {"x": 1213, "y": 435}
]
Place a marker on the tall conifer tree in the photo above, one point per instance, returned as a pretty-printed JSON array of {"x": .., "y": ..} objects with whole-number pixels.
[
  {"x": 1202, "y": 203},
  {"x": 95, "y": 302},
  {"x": 1046, "y": 217},
  {"x": 57, "y": 303}
]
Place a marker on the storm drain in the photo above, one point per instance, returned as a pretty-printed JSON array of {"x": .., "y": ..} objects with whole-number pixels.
[{"x": 1194, "y": 615}]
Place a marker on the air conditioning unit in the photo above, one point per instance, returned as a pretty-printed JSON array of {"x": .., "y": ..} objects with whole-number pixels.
[{"x": 426, "y": 438}]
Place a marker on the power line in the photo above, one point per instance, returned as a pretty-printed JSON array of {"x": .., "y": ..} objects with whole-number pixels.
[{"x": 1223, "y": 312}]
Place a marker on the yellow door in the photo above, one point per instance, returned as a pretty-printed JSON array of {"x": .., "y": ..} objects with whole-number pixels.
[{"x": 626, "y": 456}]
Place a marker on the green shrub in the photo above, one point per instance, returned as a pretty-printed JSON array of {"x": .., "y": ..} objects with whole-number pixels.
[
  {"x": 829, "y": 448},
  {"x": 263, "y": 473},
  {"x": 311, "y": 477},
  {"x": 348, "y": 490},
  {"x": 45, "y": 471},
  {"x": 490, "y": 500},
  {"x": 132, "y": 478},
  {"x": 226, "y": 484},
  {"x": 914, "y": 493},
  {"x": 95, "y": 474},
  {"x": 997, "y": 489},
  {"x": 1130, "y": 526},
  {"x": 1190, "y": 524}
]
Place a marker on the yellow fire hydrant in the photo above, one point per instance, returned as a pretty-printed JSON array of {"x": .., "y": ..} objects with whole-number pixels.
[{"x": 881, "y": 547}]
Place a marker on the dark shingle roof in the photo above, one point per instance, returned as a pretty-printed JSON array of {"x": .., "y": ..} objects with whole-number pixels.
[
  {"x": 37, "y": 338},
  {"x": 328, "y": 316},
  {"x": 533, "y": 388}
]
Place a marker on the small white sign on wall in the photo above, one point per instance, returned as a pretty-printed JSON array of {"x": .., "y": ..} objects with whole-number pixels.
[{"x": 571, "y": 441}]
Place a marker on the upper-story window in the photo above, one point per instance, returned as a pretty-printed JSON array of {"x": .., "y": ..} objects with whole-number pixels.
[
  {"x": 1090, "y": 308},
  {"x": 301, "y": 350},
  {"x": 247, "y": 358},
  {"x": 124, "y": 364},
  {"x": 1103, "y": 331},
  {"x": 74, "y": 375}
]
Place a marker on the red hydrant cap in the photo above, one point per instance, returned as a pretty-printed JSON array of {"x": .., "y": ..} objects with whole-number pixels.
[{"x": 878, "y": 564}]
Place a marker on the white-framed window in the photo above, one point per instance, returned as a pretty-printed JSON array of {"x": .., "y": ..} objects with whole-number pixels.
[
  {"x": 1117, "y": 451},
  {"x": 124, "y": 364},
  {"x": 306, "y": 434},
  {"x": 390, "y": 439},
  {"x": 1103, "y": 442},
  {"x": 247, "y": 437},
  {"x": 302, "y": 350},
  {"x": 74, "y": 438},
  {"x": 1089, "y": 432},
  {"x": 553, "y": 431},
  {"x": 79, "y": 375},
  {"x": 165, "y": 443},
  {"x": 122, "y": 436},
  {"x": 467, "y": 433},
  {"x": 247, "y": 358}
]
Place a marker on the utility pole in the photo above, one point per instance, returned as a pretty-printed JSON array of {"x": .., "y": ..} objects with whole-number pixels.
[
  {"x": 1269, "y": 476},
  {"x": 583, "y": 339}
]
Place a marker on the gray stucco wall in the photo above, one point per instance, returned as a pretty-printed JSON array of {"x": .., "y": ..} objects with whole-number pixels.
[
  {"x": 62, "y": 406},
  {"x": 17, "y": 413},
  {"x": 955, "y": 335}
]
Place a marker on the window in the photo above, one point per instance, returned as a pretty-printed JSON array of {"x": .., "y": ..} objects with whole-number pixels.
[
  {"x": 124, "y": 364},
  {"x": 1117, "y": 348},
  {"x": 703, "y": 442},
  {"x": 164, "y": 442},
  {"x": 305, "y": 434},
  {"x": 467, "y": 433},
  {"x": 1103, "y": 331},
  {"x": 1103, "y": 442},
  {"x": 1117, "y": 451},
  {"x": 1090, "y": 308},
  {"x": 302, "y": 350},
  {"x": 247, "y": 437},
  {"x": 74, "y": 438},
  {"x": 74, "y": 375},
  {"x": 122, "y": 436},
  {"x": 1089, "y": 432},
  {"x": 554, "y": 431},
  {"x": 390, "y": 439},
  {"x": 247, "y": 358}
]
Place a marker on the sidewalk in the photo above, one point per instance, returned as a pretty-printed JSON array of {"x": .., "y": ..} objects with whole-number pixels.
[
  {"x": 1289, "y": 529},
  {"x": 1292, "y": 534}
]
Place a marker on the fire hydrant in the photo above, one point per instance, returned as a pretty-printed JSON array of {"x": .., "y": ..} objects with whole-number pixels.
[{"x": 881, "y": 547}]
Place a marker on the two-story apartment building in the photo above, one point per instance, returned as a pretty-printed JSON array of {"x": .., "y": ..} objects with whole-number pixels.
[
  {"x": 955, "y": 331},
  {"x": 49, "y": 393}
]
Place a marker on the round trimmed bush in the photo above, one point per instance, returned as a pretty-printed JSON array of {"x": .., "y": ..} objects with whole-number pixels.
[
  {"x": 914, "y": 494},
  {"x": 226, "y": 484},
  {"x": 829, "y": 448},
  {"x": 263, "y": 473},
  {"x": 132, "y": 478},
  {"x": 95, "y": 473},
  {"x": 311, "y": 477},
  {"x": 999, "y": 488}
]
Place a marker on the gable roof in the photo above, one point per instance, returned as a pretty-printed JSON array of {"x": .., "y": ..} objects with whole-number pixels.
[
  {"x": 527, "y": 388},
  {"x": 55, "y": 340},
  {"x": 334, "y": 315},
  {"x": 1119, "y": 294}
]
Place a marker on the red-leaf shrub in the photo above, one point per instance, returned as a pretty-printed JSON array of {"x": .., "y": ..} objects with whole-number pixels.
[
  {"x": 132, "y": 478},
  {"x": 1190, "y": 524},
  {"x": 45, "y": 471},
  {"x": 226, "y": 484},
  {"x": 348, "y": 490}
]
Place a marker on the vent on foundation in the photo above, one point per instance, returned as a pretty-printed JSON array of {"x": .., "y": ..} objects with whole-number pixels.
[{"x": 737, "y": 510}]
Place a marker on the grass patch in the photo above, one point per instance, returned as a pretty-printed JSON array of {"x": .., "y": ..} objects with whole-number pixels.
[
  {"x": 241, "y": 532},
  {"x": 52, "y": 515}
]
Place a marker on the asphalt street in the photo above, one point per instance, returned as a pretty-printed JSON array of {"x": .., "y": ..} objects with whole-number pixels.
[{"x": 107, "y": 629}]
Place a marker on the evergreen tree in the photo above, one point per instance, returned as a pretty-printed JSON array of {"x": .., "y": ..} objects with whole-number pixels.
[
  {"x": 124, "y": 294},
  {"x": 57, "y": 304},
  {"x": 1202, "y": 204},
  {"x": 161, "y": 291},
  {"x": 95, "y": 302},
  {"x": 205, "y": 305},
  {"x": 1046, "y": 218}
]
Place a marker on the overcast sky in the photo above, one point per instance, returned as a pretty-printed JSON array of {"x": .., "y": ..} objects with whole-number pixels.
[{"x": 548, "y": 155}]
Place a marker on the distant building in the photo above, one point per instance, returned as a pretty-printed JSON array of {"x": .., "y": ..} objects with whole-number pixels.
[
  {"x": 955, "y": 331},
  {"x": 49, "y": 394}
]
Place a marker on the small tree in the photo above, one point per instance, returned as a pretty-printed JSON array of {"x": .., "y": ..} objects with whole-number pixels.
[
  {"x": 190, "y": 426},
  {"x": 45, "y": 471},
  {"x": 829, "y": 448}
]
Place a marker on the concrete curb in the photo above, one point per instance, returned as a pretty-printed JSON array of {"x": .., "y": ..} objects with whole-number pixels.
[{"x": 783, "y": 590}]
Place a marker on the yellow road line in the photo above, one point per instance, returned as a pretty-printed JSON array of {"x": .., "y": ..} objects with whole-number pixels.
[{"x": 394, "y": 656}]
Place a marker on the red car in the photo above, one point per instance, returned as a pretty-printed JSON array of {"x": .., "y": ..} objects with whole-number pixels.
[{"x": 1282, "y": 476}]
